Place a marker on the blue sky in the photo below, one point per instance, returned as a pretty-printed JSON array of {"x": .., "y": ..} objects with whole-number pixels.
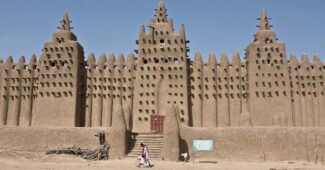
[{"x": 112, "y": 26}]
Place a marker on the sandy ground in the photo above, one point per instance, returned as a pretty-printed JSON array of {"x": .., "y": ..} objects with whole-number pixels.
[{"x": 10, "y": 160}]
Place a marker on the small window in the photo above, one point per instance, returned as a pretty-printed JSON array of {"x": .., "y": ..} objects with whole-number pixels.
[
  {"x": 277, "y": 50},
  {"x": 145, "y": 61},
  {"x": 162, "y": 41},
  {"x": 52, "y": 63}
]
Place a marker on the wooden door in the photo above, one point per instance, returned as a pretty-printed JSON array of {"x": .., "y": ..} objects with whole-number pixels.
[{"x": 157, "y": 123}]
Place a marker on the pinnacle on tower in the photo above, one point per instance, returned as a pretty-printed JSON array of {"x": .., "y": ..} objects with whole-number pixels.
[
  {"x": 293, "y": 59},
  {"x": 305, "y": 59},
  {"x": 111, "y": 60},
  {"x": 161, "y": 12},
  {"x": 224, "y": 59},
  {"x": 317, "y": 60},
  {"x": 212, "y": 60},
  {"x": 22, "y": 60},
  {"x": 182, "y": 30},
  {"x": 9, "y": 60},
  {"x": 91, "y": 59},
  {"x": 264, "y": 21},
  {"x": 142, "y": 30},
  {"x": 130, "y": 60},
  {"x": 198, "y": 59},
  {"x": 65, "y": 23},
  {"x": 236, "y": 59},
  {"x": 32, "y": 60},
  {"x": 101, "y": 60},
  {"x": 120, "y": 60}
]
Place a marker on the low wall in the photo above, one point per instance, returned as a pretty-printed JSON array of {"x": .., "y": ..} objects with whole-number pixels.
[
  {"x": 258, "y": 143},
  {"x": 39, "y": 139},
  {"x": 251, "y": 143}
]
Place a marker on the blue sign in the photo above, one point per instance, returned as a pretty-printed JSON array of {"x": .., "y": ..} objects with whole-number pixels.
[{"x": 202, "y": 145}]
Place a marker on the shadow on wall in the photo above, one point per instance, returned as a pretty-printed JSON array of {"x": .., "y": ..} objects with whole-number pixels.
[{"x": 183, "y": 148}]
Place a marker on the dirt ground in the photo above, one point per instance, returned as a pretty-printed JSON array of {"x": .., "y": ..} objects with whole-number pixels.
[{"x": 10, "y": 160}]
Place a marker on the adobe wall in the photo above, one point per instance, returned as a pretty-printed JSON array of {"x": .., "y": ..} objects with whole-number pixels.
[
  {"x": 17, "y": 82},
  {"x": 37, "y": 139},
  {"x": 2, "y": 116},
  {"x": 258, "y": 143},
  {"x": 307, "y": 90},
  {"x": 109, "y": 83},
  {"x": 218, "y": 91}
]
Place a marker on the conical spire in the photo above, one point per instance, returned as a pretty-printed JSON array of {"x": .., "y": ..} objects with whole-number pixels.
[
  {"x": 171, "y": 22},
  {"x": 293, "y": 59},
  {"x": 198, "y": 58},
  {"x": 32, "y": 60},
  {"x": 212, "y": 60},
  {"x": 120, "y": 60},
  {"x": 21, "y": 60},
  {"x": 9, "y": 60},
  {"x": 316, "y": 59},
  {"x": 236, "y": 59},
  {"x": 264, "y": 21},
  {"x": 111, "y": 60},
  {"x": 65, "y": 23},
  {"x": 142, "y": 30},
  {"x": 130, "y": 60},
  {"x": 101, "y": 60},
  {"x": 305, "y": 59},
  {"x": 224, "y": 59},
  {"x": 161, "y": 12},
  {"x": 182, "y": 30},
  {"x": 91, "y": 59}
]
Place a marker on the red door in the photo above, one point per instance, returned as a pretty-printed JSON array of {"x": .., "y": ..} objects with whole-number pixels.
[{"x": 157, "y": 123}]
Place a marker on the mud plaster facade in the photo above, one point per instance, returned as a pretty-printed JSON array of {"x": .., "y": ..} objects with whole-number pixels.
[{"x": 64, "y": 89}]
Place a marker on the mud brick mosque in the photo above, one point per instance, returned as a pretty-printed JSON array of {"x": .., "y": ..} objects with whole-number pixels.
[{"x": 64, "y": 88}]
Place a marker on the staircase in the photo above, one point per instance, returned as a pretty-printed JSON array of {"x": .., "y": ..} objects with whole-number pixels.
[{"x": 153, "y": 142}]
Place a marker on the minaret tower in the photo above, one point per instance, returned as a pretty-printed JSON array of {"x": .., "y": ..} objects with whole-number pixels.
[
  {"x": 60, "y": 97},
  {"x": 268, "y": 77},
  {"x": 161, "y": 76}
]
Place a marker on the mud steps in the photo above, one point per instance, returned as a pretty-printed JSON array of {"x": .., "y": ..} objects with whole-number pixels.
[{"x": 153, "y": 141}]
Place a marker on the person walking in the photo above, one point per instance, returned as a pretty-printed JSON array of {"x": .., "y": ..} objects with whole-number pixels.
[{"x": 144, "y": 160}]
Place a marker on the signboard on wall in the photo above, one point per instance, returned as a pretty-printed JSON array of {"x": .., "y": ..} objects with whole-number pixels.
[{"x": 202, "y": 145}]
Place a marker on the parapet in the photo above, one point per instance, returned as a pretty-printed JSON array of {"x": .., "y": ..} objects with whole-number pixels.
[
  {"x": 21, "y": 63},
  {"x": 212, "y": 61},
  {"x": 111, "y": 62},
  {"x": 305, "y": 62}
]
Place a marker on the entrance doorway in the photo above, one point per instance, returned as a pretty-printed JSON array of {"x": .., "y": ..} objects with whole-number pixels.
[{"x": 157, "y": 123}]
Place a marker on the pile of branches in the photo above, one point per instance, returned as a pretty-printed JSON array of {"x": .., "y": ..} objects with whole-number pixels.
[{"x": 100, "y": 153}]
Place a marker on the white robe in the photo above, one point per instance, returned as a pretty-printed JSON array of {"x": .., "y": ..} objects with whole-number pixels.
[{"x": 145, "y": 160}]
